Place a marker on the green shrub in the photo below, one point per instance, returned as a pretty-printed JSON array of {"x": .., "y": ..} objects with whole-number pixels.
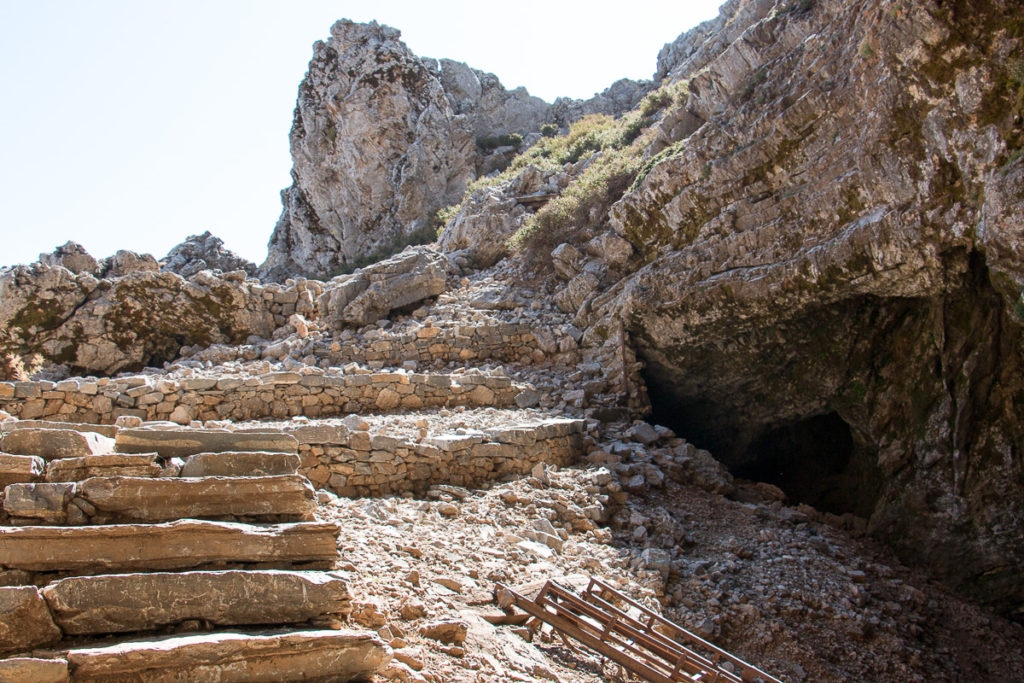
[
  {"x": 493, "y": 142},
  {"x": 549, "y": 130}
]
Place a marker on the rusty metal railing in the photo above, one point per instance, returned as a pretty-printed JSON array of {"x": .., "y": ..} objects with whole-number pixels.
[{"x": 638, "y": 639}]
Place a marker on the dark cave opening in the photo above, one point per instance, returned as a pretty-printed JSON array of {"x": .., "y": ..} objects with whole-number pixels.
[{"x": 814, "y": 461}]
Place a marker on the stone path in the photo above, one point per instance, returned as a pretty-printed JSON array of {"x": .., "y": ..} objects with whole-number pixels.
[{"x": 170, "y": 565}]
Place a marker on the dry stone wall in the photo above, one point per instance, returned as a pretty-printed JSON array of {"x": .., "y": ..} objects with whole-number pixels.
[
  {"x": 312, "y": 393},
  {"x": 360, "y": 463}
]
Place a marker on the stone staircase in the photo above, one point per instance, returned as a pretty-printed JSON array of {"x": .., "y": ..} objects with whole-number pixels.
[{"x": 198, "y": 559}]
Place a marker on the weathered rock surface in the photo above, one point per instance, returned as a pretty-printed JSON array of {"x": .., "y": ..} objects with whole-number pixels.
[
  {"x": 204, "y": 252},
  {"x": 109, "y": 465},
  {"x": 55, "y": 443},
  {"x": 476, "y": 237},
  {"x": 99, "y": 500},
  {"x": 177, "y": 443},
  {"x": 20, "y": 669},
  {"x": 236, "y": 658},
  {"x": 140, "y": 602},
  {"x": 382, "y": 139},
  {"x": 184, "y": 544},
  {"x": 832, "y": 263},
  {"x": 20, "y": 468},
  {"x": 376, "y": 148},
  {"x": 25, "y": 621},
  {"x": 371, "y": 293},
  {"x": 106, "y": 325},
  {"x": 240, "y": 464}
]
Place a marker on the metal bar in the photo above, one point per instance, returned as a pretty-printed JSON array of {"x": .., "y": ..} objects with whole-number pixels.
[
  {"x": 631, "y": 642},
  {"x": 569, "y": 628},
  {"x": 750, "y": 672}
]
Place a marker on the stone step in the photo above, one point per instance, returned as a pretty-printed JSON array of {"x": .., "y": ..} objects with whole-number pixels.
[
  {"x": 122, "y": 603},
  {"x": 101, "y": 500},
  {"x": 108, "y": 465},
  {"x": 25, "y": 669},
  {"x": 109, "y": 431},
  {"x": 171, "y": 443},
  {"x": 18, "y": 469},
  {"x": 55, "y": 443},
  {"x": 234, "y": 657},
  {"x": 184, "y": 544},
  {"x": 390, "y": 454},
  {"x": 25, "y": 620},
  {"x": 240, "y": 464},
  {"x": 311, "y": 392}
]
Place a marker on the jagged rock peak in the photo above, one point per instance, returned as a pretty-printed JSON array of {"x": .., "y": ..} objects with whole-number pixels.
[
  {"x": 381, "y": 139},
  {"x": 204, "y": 252}
]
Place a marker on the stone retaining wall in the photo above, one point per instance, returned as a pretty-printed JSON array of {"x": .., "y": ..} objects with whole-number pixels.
[
  {"x": 361, "y": 463},
  {"x": 311, "y": 392},
  {"x": 500, "y": 342}
]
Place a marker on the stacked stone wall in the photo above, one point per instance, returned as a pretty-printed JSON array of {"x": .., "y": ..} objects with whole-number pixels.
[{"x": 312, "y": 393}]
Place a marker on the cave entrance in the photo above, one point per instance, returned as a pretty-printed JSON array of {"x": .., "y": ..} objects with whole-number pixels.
[{"x": 815, "y": 461}]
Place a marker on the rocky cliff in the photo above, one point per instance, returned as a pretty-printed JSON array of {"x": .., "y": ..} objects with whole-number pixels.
[
  {"x": 382, "y": 139},
  {"x": 828, "y": 284},
  {"x": 822, "y": 207}
]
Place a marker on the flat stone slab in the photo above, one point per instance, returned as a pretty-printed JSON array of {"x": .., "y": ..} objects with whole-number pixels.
[
  {"x": 109, "y": 431},
  {"x": 138, "y": 602},
  {"x": 55, "y": 443},
  {"x": 25, "y": 620},
  {"x": 185, "y": 544},
  {"x": 22, "y": 669},
  {"x": 142, "y": 499},
  {"x": 235, "y": 657},
  {"x": 109, "y": 465},
  {"x": 180, "y": 443},
  {"x": 240, "y": 464},
  {"x": 17, "y": 469}
]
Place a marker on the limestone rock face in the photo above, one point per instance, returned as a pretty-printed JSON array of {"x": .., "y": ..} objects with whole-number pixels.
[
  {"x": 476, "y": 237},
  {"x": 371, "y": 293},
  {"x": 382, "y": 139},
  {"x": 376, "y": 147},
  {"x": 107, "y": 325},
  {"x": 831, "y": 275},
  {"x": 204, "y": 252}
]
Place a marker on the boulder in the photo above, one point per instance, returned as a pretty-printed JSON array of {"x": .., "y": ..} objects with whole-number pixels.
[
  {"x": 73, "y": 256},
  {"x": 105, "y": 326},
  {"x": 373, "y": 292},
  {"x": 376, "y": 148},
  {"x": 204, "y": 252}
]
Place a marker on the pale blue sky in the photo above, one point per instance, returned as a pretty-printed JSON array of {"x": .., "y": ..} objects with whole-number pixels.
[{"x": 130, "y": 125}]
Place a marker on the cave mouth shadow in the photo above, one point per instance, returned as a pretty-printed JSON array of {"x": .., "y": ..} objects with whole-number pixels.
[{"x": 814, "y": 460}]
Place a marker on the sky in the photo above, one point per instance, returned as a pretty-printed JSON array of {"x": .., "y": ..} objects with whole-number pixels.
[{"x": 131, "y": 125}]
